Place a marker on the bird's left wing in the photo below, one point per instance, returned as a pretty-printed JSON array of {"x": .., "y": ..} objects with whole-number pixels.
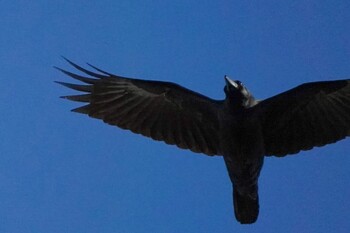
[
  {"x": 161, "y": 110},
  {"x": 312, "y": 114}
]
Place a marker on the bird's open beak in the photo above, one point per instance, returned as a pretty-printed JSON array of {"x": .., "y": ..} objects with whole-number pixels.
[{"x": 230, "y": 82}]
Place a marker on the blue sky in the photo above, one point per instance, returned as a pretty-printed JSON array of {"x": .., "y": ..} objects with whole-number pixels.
[{"x": 65, "y": 172}]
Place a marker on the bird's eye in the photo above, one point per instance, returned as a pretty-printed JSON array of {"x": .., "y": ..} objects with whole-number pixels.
[{"x": 239, "y": 83}]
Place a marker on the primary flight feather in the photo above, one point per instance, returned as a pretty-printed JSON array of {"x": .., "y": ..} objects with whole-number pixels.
[{"x": 240, "y": 128}]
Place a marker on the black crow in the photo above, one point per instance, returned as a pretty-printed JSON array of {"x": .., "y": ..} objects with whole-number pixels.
[{"x": 240, "y": 128}]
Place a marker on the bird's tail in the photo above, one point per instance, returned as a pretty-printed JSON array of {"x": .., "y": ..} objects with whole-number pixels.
[{"x": 246, "y": 206}]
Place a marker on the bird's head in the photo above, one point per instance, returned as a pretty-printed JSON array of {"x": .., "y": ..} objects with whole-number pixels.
[{"x": 237, "y": 94}]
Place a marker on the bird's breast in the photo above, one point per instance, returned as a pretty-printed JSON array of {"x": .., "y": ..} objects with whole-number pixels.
[{"x": 241, "y": 138}]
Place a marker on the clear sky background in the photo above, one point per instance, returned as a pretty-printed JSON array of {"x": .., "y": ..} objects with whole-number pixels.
[{"x": 65, "y": 172}]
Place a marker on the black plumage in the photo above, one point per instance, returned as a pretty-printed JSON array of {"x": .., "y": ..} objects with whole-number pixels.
[{"x": 239, "y": 128}]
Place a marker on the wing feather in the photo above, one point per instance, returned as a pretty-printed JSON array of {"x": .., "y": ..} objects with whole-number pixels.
[
  {"x": 312, "y": 114},
  {"x": 159, "y": 110}
]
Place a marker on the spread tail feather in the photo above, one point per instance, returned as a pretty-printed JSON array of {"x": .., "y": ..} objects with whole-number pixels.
[{"x": 246, "y": 207}]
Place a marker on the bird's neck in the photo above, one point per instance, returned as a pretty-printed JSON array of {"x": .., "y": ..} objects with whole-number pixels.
[{"x": 239, "y": 104}]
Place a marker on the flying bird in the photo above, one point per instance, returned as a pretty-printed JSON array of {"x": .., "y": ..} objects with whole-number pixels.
[{"x": 240, "y": 128}]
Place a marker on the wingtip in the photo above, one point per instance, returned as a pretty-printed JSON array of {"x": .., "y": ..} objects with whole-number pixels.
[
  {"x": 77, "y": 87},
  {"x": 78, "y": 98},
  {"x": 70, "y": 62},
  {"x": 93, "y": 74},
  {"x": 59, "y": 69},
  {"x": 99, "y": 70},
  {"x": 64, "y": 97},
  {"x": 83, "y": 109},
  {"x": 62, "y": 83},
  {"x": 66, "y": 59}
]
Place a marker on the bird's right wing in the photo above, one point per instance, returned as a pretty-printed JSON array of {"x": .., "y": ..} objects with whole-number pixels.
[
  {"x": 160, "y": 110},
  {"x": 312, "y": 114}
]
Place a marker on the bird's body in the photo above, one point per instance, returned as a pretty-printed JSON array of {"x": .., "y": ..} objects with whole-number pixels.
[
  {"x": 243, "y": 162},
  {"x": 239, "y": 128},
  {"x": 243, "y": 155}
]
